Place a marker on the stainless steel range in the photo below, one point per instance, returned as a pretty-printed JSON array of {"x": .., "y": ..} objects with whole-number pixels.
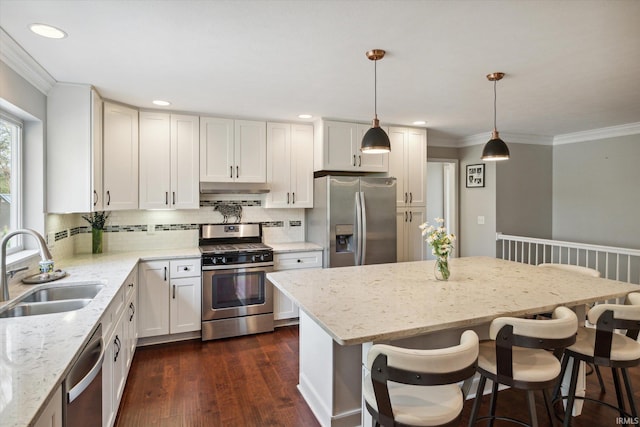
[{"x": 237, "y": 299}]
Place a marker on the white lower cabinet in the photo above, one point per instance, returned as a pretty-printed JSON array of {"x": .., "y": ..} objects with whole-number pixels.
[
  {"x": 120, "y": 338},
  {"x": 411, "y": 245},
  {"x": 283, "y": 307},
  {"x": 52, "y": 414},
  {"x": 170, "y": 295}
]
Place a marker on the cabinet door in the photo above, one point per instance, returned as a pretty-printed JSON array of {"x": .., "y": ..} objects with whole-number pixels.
[
  {"x": 96, "y": 127},
  {"x": 250, "y": 151},
  {"x": 155, "y": 160},
  {"x": 153, "y": 298},
  {"x": 283, "y": 306},
  {"x": 185, "y": 305},
  {"x": 120, "y": 157},
  {"x": 74, "y": 149},
  {"x": 51, "y": 416},
  {"x": 397, "y": 137},
  {"x": 185, "y": 165},
  {"x": 370, "y": 162},
  {"x": 279, "y": 165},
  {"x": 301, "y": 166},
  {"x": 416, "y": 160},
  {"x": 402, "y": 216},
  {"x": 338, "y": 150},
  {"x": 416, "y": 246},
  {"x": 216, "y": 150}
]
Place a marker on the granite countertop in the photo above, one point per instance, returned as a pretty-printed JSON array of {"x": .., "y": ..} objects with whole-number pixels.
[
  {"x": 368, "y": 303},
  {"x": 37, "y": 351},
  {"x": 294, "y": 247}
]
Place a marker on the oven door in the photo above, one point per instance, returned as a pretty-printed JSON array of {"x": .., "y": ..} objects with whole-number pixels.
[{"x": 236, "y": 292}]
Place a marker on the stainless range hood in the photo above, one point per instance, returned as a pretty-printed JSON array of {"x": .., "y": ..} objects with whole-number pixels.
[{"x": 232, "y": 188}]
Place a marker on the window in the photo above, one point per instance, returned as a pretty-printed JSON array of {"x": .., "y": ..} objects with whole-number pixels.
[{"x": 10, "y": 177}]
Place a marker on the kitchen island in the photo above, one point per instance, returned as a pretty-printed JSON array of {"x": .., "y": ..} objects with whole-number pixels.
[{"x": 344, "y": 310}]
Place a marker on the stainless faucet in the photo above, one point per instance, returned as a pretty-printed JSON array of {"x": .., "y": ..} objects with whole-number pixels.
[{"x": 44, "y": 254}]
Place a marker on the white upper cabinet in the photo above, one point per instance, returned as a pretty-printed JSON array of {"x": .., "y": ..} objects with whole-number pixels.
[
  {"x": 408, "y": 163},
  {"x": 169, "y": 166},
  {"x": 74, "y": 149},
  {"x": 337, "y": 148},
  {"x": 232, "y": 150},
  {"x": 120, "y": 157},
  {"x": 289, "y": 165}
]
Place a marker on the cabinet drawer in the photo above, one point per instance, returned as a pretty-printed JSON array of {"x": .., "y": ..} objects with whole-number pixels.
[
  {"x": 112, "y": 313},
  {"x": 295, "y": 260},
  {"x": 184, "y": 268}
]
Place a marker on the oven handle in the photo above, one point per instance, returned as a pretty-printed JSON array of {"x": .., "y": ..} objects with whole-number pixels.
[{"x": 257, "y": 265}]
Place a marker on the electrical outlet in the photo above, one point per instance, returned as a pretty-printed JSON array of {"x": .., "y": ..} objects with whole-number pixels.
[
  {"x": 480, "y": 220},
  {"x": 151, "y": 229}
]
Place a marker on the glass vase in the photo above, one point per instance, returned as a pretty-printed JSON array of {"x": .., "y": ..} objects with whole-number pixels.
[
  {"x": 96, "y": 240},
  {"x": 441, "y": 269}
]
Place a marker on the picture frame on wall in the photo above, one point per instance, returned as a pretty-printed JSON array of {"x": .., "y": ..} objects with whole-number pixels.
[{"x": 475, "y": 176}]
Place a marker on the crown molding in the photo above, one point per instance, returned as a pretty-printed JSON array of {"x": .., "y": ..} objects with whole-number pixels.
[
  {"x": 595, "y": 134},
  {"x": 12, "y": 54},
  {"x": 509, "y": 138}
]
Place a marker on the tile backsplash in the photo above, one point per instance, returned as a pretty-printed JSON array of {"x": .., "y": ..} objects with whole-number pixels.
[{"x": 70, "y": 234}]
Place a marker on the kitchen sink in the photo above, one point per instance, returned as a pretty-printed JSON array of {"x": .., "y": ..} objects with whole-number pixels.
[
  {"x": 53, "y": 299},
  {"x": 31, "y": 309},
  {"x": 58, "y": 293}
]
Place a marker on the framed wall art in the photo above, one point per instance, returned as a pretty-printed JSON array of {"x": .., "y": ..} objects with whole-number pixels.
[{"x": 475, "y": 175}]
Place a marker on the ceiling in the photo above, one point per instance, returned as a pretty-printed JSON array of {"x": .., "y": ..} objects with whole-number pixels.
[{"x": 570, "y": 65}]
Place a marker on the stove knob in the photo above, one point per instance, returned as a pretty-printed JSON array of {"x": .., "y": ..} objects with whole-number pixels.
[
  {"x": 262, "y": 257},
  {"x": 214, "y": 260},
  {"x": 223, "y": 260},
  {"x": 255, "y": 258}
]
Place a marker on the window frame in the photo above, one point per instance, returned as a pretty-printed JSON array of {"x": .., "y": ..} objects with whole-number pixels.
[{"x": 17, "y": 175}]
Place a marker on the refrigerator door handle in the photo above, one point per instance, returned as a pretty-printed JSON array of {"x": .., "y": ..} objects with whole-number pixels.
[
  {"x": 363, "y": 238},
  {"x": 358, "y": 229}
]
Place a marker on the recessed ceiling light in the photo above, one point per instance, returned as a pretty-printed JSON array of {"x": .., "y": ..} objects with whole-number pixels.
[
  {"x": 419, "y": 122},
  {"x": 48, "y": 31},
  {"x": 304, "y": 116},
  {"x": 161, "y": 103}
]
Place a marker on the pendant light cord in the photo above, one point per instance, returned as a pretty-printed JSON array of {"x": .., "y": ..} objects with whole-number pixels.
[
  {"x": 375, "y": 89},
  {"x": 494, "y": 105}
]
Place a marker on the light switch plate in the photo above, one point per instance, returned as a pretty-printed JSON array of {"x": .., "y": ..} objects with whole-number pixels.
[{"x": 480, "y": 220}]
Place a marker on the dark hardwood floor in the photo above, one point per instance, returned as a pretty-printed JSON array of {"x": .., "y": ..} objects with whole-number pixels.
[{"x": 251, "y": 382}]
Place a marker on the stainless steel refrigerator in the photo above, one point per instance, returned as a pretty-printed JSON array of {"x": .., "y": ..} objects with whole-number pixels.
[{"x": 354, "y": 220}]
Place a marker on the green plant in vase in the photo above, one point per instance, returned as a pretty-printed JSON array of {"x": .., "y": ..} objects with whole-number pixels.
[
  {"x": 442, "y": 244},
  {"x": 97, "y": 221}
]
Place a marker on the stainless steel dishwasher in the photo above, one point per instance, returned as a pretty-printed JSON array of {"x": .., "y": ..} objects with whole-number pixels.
[{"x": 83, "y": 386}]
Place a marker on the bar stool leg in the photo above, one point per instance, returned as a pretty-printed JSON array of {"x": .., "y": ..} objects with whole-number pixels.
[
  {"x": 599, "y": 375},
  {"x": 547, "y": 405},
  {"x": 627, "y": 384},
  {"x": 557, "y": 390},
  {"x": 616, "y": 383},
  {"x": 531, "y": 402},
  {"x": 492, "y": 405},
  {"x": 477, "y": 401},
  {"x": 572, "y": 393}
]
